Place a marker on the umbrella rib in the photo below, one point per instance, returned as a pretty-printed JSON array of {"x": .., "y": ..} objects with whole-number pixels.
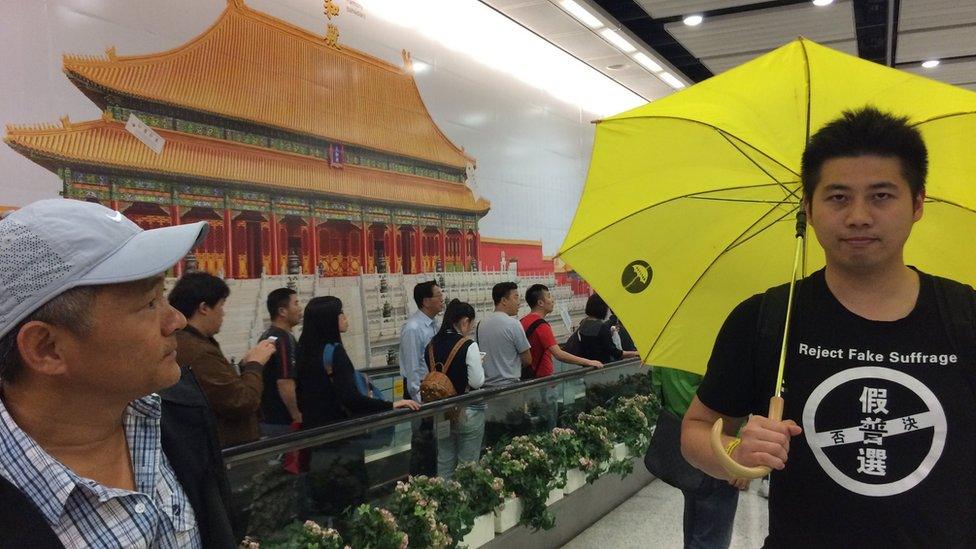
[
  {"x": 656, "y": 204},
  {"x": 944, "y": 116},
  {"x": 806, "y": 72},
  {"x": 743, "y": 200},
  {"x": 736, "y": 244},
  {"x": 707, "y": 125},
  {"x": 750, "y": 159},
  {"x": 949, "y": 202},
  {"x": 702, "y": 275}
]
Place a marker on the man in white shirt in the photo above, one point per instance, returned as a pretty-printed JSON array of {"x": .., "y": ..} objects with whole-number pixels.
[{"x": 416, "y": 334}]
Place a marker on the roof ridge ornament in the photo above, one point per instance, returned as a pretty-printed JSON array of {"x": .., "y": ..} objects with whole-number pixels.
[
  {"x": 110, "y": 53},
  {"x": 407, "y": 60}
]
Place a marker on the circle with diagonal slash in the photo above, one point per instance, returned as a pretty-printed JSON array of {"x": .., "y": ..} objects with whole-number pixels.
[{"x": 934, "y": 418}]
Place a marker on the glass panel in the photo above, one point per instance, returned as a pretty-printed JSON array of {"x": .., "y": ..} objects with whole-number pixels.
[{"x": 309, "y": 479}]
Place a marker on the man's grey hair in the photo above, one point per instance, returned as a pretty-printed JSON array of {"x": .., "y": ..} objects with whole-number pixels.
[{"x": 70, "y": 310}]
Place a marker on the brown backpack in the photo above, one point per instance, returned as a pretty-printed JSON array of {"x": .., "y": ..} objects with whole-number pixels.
[{"x": 436, "y": 385}]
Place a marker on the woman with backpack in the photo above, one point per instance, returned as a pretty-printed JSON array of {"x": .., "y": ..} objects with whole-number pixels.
[
  {"x": 326, "y": 386},
  {"x": 327, "y": 392},
  {"x": 596, "y": 334},
  {"x": 452, "y": 354}
]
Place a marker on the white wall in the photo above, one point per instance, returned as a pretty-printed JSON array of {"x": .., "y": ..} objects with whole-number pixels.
[{"x": 532, "y": 149}]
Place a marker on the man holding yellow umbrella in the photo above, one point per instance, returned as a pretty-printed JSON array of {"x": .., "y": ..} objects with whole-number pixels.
[
  {"x": 878, "y": 392},
  {"x": 876, "y": 379}
]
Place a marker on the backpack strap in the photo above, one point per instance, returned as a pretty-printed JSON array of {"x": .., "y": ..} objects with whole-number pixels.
[
  {"x": 430, "y": 356},
  {"x": 528, "y": 333},
  {"x": 532, "y": 327},
  {"x": 769, "y": 327},
  {"x": 957, "y": 309},
  {"x": 450, "y": 358},
  {"x": 328, "y": 354}
]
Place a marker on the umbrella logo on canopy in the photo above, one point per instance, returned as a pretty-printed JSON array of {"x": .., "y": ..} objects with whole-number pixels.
[{"x": 636, "y": 276}]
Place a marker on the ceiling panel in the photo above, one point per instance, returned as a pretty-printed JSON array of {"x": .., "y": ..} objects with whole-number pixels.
[
  {"x": 726, "y": 62},
  {"x": 543, "y": 18},
  {"x": 936, "y": 44},
  {"x": 924, "y": 14},
  {"x": 668, "y": 8},
  {"x": 951, "y": 73},
  {"x": 506, "y": 4},
  {"x": 584, "y": 44},
  {"x": 761, "y": 31}
]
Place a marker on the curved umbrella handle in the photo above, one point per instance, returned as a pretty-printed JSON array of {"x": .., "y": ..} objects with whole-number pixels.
[{"x": 732, "y": 467}]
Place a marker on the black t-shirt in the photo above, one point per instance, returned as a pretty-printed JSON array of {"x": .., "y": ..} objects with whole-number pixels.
[
  {"x": 596, "y": 341},
  {"x": 281, "y": 365},
  {"x": 887, "y": 457}
]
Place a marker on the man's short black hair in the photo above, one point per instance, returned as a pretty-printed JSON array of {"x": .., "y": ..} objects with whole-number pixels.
[
  {"x": 502, "y": 289},
  {"x": 534, "y": 294},
  {"x": 277, "y": 299},
  {"x": 195, "y": 288},
  {"x": 867, "y": 131},
  {"x": 596, "y": 307},
  {"x": 422, "y": 291}
]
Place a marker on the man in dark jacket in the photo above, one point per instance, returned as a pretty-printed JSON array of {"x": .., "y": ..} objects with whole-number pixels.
[
  {"x": 89, "y": 455},
  {"x": 234, "y": 398}
]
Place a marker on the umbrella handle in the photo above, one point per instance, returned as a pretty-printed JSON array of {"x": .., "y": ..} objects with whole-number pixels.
[{"x": 732, "y": 467}]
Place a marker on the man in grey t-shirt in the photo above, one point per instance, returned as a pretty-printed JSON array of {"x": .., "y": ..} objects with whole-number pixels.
[{"x": 501, "y": 336}]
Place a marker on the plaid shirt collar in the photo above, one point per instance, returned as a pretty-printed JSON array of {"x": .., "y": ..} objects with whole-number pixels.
[{"x": 49, "y": 483}]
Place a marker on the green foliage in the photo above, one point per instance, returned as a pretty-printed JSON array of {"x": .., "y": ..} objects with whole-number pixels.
[
  {"x": 485, "y": 491},
  {"x": 527, "y": 470},
  {"x": 374, "y": 528},
  {"x": 564, "y": 450},
  {"x": 434, "y": 512}
]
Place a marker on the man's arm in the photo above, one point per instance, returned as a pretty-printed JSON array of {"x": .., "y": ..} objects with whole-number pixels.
[
  {"x": 764, "y": 441},
  {"x": 286, "y": 389},
  {"x": 409, "y": 355},
  {"x": 569, "y": 358}
]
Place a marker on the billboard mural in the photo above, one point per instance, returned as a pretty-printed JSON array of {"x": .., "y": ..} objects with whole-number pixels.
[{"x": 287, "y": 143}]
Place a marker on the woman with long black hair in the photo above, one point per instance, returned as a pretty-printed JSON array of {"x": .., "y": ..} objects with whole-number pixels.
[
  {"x": 327, "y": 392},
  {"x": 596, "y": 334},
  {"x": 461, "y": 358},
  {"x": 326, "y": 386}
]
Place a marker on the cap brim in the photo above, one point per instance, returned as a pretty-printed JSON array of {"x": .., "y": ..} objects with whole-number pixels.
[{"x": 147, "y": 254}]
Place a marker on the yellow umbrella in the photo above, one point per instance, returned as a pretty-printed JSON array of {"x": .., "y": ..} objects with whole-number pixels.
[{"x": 690, "y": 201}]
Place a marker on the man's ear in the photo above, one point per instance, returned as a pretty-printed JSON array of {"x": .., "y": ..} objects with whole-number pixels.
[
  {"x": 918, "y": 205},
  {"x": 204, "y": 308},
  {"x": 41, "y": 347}
]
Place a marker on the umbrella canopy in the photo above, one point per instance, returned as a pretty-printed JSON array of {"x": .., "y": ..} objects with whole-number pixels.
[{"x": 690, "y": 201}]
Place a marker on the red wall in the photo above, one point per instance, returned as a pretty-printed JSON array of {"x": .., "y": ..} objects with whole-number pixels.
[{"x": 528, "y": 253}]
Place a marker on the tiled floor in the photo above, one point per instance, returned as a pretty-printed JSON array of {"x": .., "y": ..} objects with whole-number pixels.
[{"x": 652, "y": 519}]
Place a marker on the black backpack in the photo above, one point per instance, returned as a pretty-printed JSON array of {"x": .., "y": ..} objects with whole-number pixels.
[{"x": 528, "y": 372}]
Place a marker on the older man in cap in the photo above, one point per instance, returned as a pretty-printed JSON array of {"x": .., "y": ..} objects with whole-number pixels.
[{"x": 87, "y": 456}]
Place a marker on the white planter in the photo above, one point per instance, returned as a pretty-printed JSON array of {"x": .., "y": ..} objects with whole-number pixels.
[
  {"x": 620, "y": 451},
  {"x": 508, "y": 514},
  {"x": 575, "y": 479},
  {"x": 481, "y": 533},
  {"x": 555, "y": 495}
]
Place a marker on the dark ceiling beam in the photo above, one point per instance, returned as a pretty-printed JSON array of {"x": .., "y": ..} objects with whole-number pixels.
[
  {"x": 651, "y": 30},
  {"x": 873, "y": 22}
]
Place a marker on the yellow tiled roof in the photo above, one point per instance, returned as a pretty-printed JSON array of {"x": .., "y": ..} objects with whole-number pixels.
[
  {"x": 107, "y": 143},
  {"x": 252, "y": 67}
]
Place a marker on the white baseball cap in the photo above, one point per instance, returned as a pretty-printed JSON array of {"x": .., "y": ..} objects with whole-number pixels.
[{"x": 51, "y": 246}]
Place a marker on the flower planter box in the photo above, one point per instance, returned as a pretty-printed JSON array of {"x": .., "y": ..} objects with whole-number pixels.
[
  {"x": 481, "y": 533},
  {"x": 508, "y": 514},
  {"x": 555, "y": 495},
  {"x": 620, "y": 451},
  {"x": 575, "y": 479}
]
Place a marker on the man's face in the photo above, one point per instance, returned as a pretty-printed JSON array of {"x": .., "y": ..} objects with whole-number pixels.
[
  {"x": 546, "y": 302},
  {"x": 510, "y": 303},
  {"x": 293, "y": 312},
  {"x": 130, "y": 350},
  {"x": 863, "y": 210},
  {"x": 214, "y": 316},
  {"x": 435, "y": 303}
]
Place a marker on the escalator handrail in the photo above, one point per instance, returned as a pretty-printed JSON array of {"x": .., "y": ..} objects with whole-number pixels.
[{"x": 360, "y": 425}]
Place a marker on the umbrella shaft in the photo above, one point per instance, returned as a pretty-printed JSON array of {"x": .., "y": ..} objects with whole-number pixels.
[{"x": 797, "y": 258}]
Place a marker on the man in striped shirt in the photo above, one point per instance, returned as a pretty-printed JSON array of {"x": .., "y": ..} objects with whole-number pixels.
[{"x": 86, "y": 339}]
